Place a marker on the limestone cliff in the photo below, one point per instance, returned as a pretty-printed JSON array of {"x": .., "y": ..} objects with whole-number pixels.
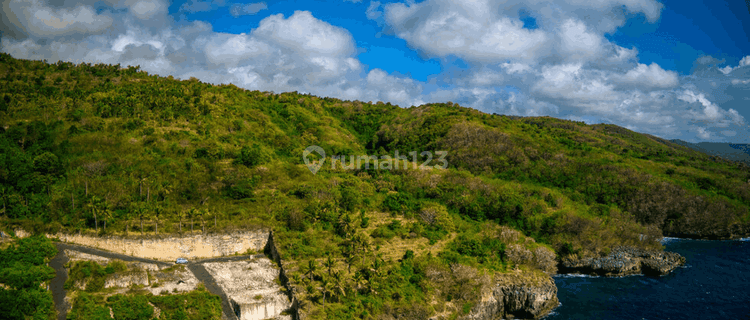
[{"x": 520, "y": 294}]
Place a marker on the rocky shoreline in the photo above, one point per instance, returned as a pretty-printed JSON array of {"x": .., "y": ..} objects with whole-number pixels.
[
  {"x": 513, "y": 297},
  {"x": 623, "y": 261}
]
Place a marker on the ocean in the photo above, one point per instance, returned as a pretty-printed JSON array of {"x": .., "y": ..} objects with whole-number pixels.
[{"x": 713, "y": 284}]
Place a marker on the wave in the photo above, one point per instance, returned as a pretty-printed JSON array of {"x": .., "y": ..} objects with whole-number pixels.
[
  {"x": 553, "y": 312},
  {"x": 669, "y": 239},
  {"x": 575, "y": 275}
]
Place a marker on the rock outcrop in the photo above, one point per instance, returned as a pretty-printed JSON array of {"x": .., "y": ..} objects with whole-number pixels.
[
  {"x": 251, "y": 288},
  {"x": 169, "y": 248},
  {"x": 623, "y": 261},
  {"x": 520, "y": 294}
]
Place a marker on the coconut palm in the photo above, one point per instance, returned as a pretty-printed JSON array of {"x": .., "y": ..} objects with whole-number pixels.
[
  {"x": 329, "y": 263},
  {"x": 350, "y": 259},
  {"x": 311, "y": 269},
  {"x": 106, "y": 211},
  {"x": 339, "y": 285},
  {"x": 93, "y": 205},
  {"x": 158, "y": 210},
  {"x": 180, "y": 215}
]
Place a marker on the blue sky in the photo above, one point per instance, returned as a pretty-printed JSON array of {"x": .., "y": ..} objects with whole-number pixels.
[{"x": 673, "y": 69}]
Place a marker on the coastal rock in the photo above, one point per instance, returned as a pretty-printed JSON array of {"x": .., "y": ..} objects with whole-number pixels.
[
  {"x": 624, "y": 261},
  {"x": 520, "y": 294}
]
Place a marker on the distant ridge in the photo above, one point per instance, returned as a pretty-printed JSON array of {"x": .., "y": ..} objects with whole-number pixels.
[{"x": 729, "y": 151}]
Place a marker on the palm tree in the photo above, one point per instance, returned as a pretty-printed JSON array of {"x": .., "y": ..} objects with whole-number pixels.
[
  {"x": 329, "y": 263},
  {"x": 311, "y": 269},
  {"x": 326, "y": 286},
  {"x": 359, "y": 279},
  {"x": 338, "y": 288},
  {"x": 140, "y": 210},
  {"x": 191, "y": 213},
  {"x": 106, "y": 214},
  {"x": 158, "y": 209},
  {"x": 93, "y": 204},
  {"x": 202, "y": 213},
  {"x": 4, "y": 190},
  {"x": 350, "y": 260},
  {"x": 216, "y": 213},
  {"x": 180, "y": 215}
]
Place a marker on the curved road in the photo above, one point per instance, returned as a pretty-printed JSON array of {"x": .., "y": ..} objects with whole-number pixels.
[{"x": 200, "y": 272}]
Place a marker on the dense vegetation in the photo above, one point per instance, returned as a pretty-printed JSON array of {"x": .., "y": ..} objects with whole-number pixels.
[
  {"x": 98, "y": 148},
  {"x": 24, "y": 276},
  {"x": 91, "y": 300},
  {"x": 195, "y": 305}
]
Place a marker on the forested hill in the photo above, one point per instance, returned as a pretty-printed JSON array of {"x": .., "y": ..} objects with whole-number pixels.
[
  {"x": 729, "y": 151},
  {"x": 84, "y": 145}
]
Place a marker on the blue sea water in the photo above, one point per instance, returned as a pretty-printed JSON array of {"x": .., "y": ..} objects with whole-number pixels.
[{"x": 714, "y": 284}]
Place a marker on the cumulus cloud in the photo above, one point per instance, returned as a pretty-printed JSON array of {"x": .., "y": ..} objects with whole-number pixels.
[
  {"x": 238, "y": 10},
  {"x": 40, "y": 20},
  {"x": 483, "y": 30},
  {"x": 745, "y": 61},
  {"x": 648, "y": 76},
  {"x": 711, "y": 112}
]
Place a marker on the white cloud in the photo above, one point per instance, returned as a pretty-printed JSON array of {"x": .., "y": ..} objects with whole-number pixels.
[
  {"x": 487, "y": 31},
  {"x": 306, "y": 35},
  {"x": 649, "y": 76},
  {"x": 703, "y": 133},
  {"x": 512, "y": 68},
  {"x": 712, "y": 113},
  {"x": 147, "y": 9},
  {"x": 238, "y": 10},
  {"x": 578, "y": 42},
  {"x": 726, "y": 70},
  {"x": 373, "y": 11},
  {"x": 193, "y": 6},
  {"x": 40, "y": 20},
  {"x": 463, "y": 29},
  {"x": 745, "y": 61}
]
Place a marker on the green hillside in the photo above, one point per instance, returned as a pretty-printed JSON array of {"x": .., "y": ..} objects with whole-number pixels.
[{"x": 114, "y": 150}]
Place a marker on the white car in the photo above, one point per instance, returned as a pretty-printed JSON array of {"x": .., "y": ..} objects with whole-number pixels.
[{"x": 182, "y": 261}]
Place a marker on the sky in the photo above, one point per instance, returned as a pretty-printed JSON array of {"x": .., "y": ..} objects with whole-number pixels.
[{"x": 673, "y": 69}]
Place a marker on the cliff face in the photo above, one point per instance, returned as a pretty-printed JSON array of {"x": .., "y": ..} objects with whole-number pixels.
[
  {"x": 624, "y": 261},
  {"x": 516, "y": 295}
]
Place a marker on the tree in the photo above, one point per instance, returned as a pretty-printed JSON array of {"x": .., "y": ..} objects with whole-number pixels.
[
  {"x": 350, "y": 259},
  {"x": 327, "y": 285},
  {"x": 254, "y": 155},
  {"x": 338, "y": 287},
  {"x": 329, "y": 263},
  {"x": 201, "y": 214},
  {"x": 158, "y": 210},
  {"x": 311, "y": 269},
  {"x": 192, "y": 213},
  {"x": 140, "y": 211},
  {"x": 107, "y": 212},
  {"x": 181, "y": 214},
  {"x": 93, "y": 205},
  {"x": 4, "y": 191}
]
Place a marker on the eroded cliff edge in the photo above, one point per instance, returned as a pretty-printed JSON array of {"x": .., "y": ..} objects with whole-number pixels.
[{"x": 524, "y": 295}]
